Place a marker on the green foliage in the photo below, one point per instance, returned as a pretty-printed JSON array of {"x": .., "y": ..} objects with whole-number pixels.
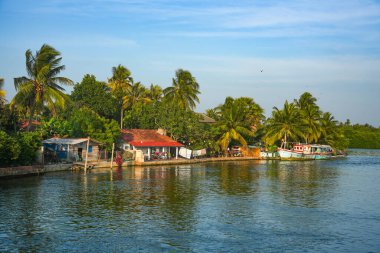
[
  {"x": 237, "y": 119},
  {"x": 184, "y": 91},
  {"x": 56, "y": 127},
  {"x": 19, "y": 149},
  {"x": 8, "y": 119},
  {"x": 94, "y": 95},
  {"x": 142, "y": 116},
  {"x": 362, "y": 136},
  {"x": 2, "y": 93},
  {"x": 303, "y": 120},
  {"x": 120, "y": 82},
  {"x": 87, "y": 123},
  {"x": 9, "y": 149},
  {"x": 41, "y": 88},
  {"x": 284, "y": 124},
  {"x": 29, "y": 142}
]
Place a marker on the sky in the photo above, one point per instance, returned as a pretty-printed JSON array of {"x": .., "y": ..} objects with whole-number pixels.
[{"x": 271, "y": 51}]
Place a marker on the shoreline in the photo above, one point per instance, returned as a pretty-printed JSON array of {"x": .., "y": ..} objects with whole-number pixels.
[{"x": 36, "y": 170}]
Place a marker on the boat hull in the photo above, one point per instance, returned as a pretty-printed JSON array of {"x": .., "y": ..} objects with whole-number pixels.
[
  {"x": 291, "y": 155},
  {"x": 323, "y": 156}
]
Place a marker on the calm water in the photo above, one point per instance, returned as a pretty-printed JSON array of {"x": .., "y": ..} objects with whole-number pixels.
[{"x": 315, "y": 206}]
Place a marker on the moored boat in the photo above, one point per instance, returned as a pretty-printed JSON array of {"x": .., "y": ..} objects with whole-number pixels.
[
  {"x": 299, "y": 151},
  {"x": 323, "y": 152}
]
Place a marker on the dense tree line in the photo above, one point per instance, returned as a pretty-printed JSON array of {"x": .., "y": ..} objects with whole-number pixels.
[
  {"x": 361, "y": 136},
  {"x": 99, "y": 109}
]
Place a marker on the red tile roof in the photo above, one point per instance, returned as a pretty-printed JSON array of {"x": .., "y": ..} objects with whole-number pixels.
[
  {"x": 147, "y": 138},
  {"x": 25, "y": 123}
]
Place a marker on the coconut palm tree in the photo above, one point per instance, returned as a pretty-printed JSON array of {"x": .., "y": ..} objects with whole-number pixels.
[
  {"x": 310, "y": 114},
  {"x": 155, "y": 92},
  {"x": 329, "y": 130},
  {"x": 120, "y": 82},
  {"x": 232, "y": 123},
  {"x": 42, "y": 86},
  {"x": 184, "y": 91},
  {"x": 135, "y": 94},
  {"x": 2, "y": 92},
  {"x": 306, "y": 99},
  {"x": 311, "y": 119},
  {"x": 253, "y": 112},
  {"x": 284, "y": 124}
]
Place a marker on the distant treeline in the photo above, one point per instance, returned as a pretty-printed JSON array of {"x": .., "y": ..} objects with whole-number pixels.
[{"x": 361, "y": 136}]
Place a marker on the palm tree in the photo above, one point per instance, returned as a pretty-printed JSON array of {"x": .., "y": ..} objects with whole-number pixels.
[
  {"x": 310, "y": 114},
  {"x": 306, "y": 99},
  {"x": 232, "y": 123},
  {"x": 2, "y": 92},
  {"x": 184, "y": 92},
  {"x": 41, "y": 87},
  {"x": 155, "y": 93},
  {"x": 284, "y": 124},
  {"x": 311, "y": 119},
  {"x": 254, "y": 114},
  {"x": 120, "y": 82},
  {"x": 329, "y": 130},
  {"x": 135, "y": 94}
]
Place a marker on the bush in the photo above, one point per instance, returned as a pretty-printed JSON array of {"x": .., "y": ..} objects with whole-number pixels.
[
  {"x": 19, "y": 149},
  {"x": 29, "y": 142},
  {"x": 9, "y": 149}
]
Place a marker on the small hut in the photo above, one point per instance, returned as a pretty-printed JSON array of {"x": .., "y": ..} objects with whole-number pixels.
[{"x": 70, "y": 149}]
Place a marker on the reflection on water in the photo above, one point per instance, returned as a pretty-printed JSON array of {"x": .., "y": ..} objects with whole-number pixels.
[
  {"x": 302, "y": 183},
  {"x": 245, "y": 206}
]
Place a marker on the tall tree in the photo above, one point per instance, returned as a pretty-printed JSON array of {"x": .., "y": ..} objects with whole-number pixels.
[
  {"x": 233, "y": 123},
  {"x": 2, "y": 93},
  {"x": 306, "y": 99},
  {"x": 95, "y": 95},
  {"x": 284, "y": 124},
  {"x": 310, "y": 116},
  {"x": 330, "y": 133},
  {"x": 253, "y": 113},
  {"x": 42, "y": 86},
  {"x": 311, "y": 119},
  {"x": 86, "y": 122},
  {"x": 137, "y": 93},
  {"x": 120, "y": 82},
  {"x": 184, "y": 90},
  {"x": 155, "y": 93}
]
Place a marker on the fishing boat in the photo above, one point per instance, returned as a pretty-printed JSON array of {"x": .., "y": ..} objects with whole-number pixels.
[
  {"x": 323, "y": 152},
  {"x": 301, "y": 151},
  {"x": 298, "y": 151}
]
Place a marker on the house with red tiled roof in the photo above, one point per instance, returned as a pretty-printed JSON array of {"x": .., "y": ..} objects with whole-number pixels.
[
  {"x": 154, "y": 144},
  {"x": 25, "y": 123}
]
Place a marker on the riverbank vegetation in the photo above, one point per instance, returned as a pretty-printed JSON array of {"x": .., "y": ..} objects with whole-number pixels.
[{"x": 99, "y": 109}]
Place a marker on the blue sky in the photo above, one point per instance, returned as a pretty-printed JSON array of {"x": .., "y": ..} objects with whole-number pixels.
[{"x": 328, "y": 48}]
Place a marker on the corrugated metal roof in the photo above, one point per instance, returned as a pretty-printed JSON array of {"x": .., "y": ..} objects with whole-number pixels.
[
  {"x": 70, "y": 141},
  {"x": 206, "y": 119}
]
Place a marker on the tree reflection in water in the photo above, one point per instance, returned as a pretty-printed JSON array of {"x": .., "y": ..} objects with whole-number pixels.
[
  {"x": 302, "y": 183},
  {"x": 177, "y": 208}
]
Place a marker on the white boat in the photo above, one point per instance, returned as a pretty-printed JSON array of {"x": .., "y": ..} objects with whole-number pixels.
[
  {"x": 300, "y": 151},
  {"x": 323, "y": 152},
  {"x": 297, "y": 152}
]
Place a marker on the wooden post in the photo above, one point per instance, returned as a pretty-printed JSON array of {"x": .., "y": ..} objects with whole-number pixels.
[
  {"x": 85, "y": 163},
  {"x": 43, "y": 157},
  {"x": 113, "y": 148}
]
